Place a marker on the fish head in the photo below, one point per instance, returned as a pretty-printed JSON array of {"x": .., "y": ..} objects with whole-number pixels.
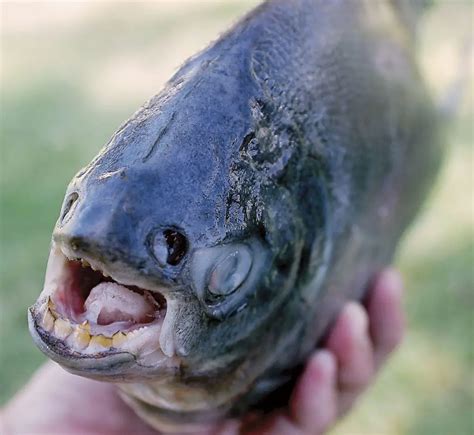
[{"x": 159, "y": 271}]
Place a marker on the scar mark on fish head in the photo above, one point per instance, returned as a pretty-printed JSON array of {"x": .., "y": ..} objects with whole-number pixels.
[
  {"x": 153, "y": 148},
  {"x": 119, "y": 172}
]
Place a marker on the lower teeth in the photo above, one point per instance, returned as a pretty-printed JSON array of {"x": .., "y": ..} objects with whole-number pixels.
[{"x": 79, "y": 337}]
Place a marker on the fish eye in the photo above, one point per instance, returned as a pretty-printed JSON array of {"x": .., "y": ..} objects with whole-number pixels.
[
  {"x": 223, "y": 276},
  {"x": 229, "y": 273},
  {"x": 169, "y": 247}
]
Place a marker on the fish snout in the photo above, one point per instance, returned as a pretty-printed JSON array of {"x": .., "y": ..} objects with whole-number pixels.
[
  {"x": 115, "y": 236},
  {"x": 76, "y": 244},
  {"x": 95, "y": 230}
]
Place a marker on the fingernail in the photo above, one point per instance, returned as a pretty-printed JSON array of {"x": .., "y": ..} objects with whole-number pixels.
[
  {"x": 357, "y": 316},
  {"x": 392, "y": 281},
  {"x": 325, "y": 361}
]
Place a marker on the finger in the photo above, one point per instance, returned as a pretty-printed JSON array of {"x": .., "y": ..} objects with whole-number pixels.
[
  {"x": 387, "y": 323},
  {"x": 349, "y": 341},
  {"x": 313, "y": 404}
]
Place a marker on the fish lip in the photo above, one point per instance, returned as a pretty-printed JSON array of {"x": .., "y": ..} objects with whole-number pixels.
[{"x": 110, "y": 364}]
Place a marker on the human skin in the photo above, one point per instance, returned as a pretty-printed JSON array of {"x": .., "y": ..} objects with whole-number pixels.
[{"x": 363, "y": 336}]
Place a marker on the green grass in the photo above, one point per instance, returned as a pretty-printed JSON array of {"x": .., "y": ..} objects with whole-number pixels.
[{"x": 69, "y": 81}]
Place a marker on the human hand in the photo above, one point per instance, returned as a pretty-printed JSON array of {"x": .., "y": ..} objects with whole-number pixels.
[
  {"x": 360, "y": 341},
  {"x": 56, "y": 402}
]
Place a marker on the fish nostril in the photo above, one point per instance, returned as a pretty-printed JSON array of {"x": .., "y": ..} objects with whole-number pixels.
[
  {"x": 169, "y": 247},
  {"x": 72, "y": 244},
  {"x": 78, "y": 244},
  {"x": 68, "y": 206}
]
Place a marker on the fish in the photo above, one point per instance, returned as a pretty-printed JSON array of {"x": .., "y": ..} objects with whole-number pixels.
[{"x": 204, "y": 253}]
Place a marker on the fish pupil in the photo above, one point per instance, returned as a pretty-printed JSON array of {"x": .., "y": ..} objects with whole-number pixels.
[{"x": 177, "y": 246}]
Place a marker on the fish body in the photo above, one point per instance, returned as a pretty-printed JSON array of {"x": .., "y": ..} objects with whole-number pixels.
[{"x": 245, "y": 204}]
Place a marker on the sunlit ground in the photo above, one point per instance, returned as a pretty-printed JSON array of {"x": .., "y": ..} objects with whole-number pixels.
[{"x": 72, "y": 73}]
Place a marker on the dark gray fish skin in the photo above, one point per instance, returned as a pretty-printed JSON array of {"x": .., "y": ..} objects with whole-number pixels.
[{"x": 304, "y": 133}]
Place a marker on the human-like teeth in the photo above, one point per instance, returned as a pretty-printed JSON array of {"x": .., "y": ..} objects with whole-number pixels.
[
  {"x": 62, "y": 329},
  {"x": 85, "y": 326},
  {"x": 48, "y": 321},
  {"x": 101, "y": 340},
  {"x": 97, "y": 344},
  {"x": 80, "y": 338},
  {"x": 84, "y": 263},
  {"x": 118, "y": 339},
  {"x": 51, "y": 304},
  {"x": 141, "y": 340},
  {"x": 52, "y": 308}
]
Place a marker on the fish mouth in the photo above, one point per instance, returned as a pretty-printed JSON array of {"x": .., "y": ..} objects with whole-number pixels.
[{"x": 90, "y": 322}]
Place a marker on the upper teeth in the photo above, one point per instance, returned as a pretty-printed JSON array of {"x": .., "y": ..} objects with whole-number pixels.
[{"x": 84, "y": 263}]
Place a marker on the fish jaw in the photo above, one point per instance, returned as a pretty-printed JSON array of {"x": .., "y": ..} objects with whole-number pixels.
[
  {"x": 144, "y": 358},
  {"x": 98, "y": 327}
]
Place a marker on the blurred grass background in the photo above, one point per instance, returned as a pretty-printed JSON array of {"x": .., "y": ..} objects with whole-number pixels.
[{"x": 71, "y": 73}]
